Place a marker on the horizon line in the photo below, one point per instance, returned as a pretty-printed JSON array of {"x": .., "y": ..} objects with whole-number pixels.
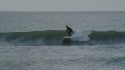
[{"x": 61, "y": 11}]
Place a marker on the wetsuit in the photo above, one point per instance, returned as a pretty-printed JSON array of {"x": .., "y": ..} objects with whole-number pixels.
[{"x": 69, "y": 30}]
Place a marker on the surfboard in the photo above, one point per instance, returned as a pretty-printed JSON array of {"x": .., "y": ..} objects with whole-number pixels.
[{"x": 66, "y": 37}]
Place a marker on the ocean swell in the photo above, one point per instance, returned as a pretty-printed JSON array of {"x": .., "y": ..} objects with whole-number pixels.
[{"x": 55, "y": 37}]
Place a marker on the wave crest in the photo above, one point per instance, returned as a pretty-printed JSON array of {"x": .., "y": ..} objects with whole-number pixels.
[{"x": 54, "y": 37}]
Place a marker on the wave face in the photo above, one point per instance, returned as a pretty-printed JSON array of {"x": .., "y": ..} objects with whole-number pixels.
[
  {"x": 107, "y": 35},
  {"x": 55, "y": 37}
]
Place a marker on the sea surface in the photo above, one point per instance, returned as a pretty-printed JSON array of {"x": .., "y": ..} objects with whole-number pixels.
[{"x": 35, "y": 40}]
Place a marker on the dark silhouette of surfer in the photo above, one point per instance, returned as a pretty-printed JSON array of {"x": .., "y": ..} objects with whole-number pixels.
[{"x": 69, "y": 30}]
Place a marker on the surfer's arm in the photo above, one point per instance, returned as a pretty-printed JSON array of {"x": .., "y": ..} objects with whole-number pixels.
[{"x": 66, "y": 30}]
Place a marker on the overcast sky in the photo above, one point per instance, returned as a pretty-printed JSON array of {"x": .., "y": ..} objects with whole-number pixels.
[{"x": 62, "y": 5}]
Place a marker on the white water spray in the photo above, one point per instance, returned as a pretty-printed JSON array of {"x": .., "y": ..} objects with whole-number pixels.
[{"x": 80, "y": 36}]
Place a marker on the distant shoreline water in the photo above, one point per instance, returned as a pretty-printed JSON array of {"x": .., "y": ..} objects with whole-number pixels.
[{"x": 24, "y": 21}]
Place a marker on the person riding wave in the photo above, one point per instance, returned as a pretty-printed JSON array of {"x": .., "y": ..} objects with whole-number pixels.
[{"x": 69, "y": 30}]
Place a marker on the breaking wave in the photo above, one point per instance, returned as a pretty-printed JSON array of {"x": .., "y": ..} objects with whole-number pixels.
[{"x": 54, "y": 37}]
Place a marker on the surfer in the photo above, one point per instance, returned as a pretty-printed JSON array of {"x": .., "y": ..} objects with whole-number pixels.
[{"x": 69, "y": 30}]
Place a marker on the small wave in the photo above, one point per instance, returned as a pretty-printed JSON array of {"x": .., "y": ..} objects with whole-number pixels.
[
  {"x": 54, "y": 37},
  {"x": 96, "y": 35},
  {"x": 33, "y": 34}
]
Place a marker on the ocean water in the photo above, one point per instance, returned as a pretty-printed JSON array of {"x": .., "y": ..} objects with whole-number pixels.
[{"x": 34, "y": 41}]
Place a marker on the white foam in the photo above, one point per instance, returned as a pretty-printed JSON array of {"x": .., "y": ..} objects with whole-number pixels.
[{"x": 80, "y": 36}]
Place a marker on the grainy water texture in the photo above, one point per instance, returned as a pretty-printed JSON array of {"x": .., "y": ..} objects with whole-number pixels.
[{"x": 35, "y": 41}]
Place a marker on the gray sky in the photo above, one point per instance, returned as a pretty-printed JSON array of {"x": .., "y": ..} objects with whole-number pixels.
[{"x": 62, "y": 5}]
